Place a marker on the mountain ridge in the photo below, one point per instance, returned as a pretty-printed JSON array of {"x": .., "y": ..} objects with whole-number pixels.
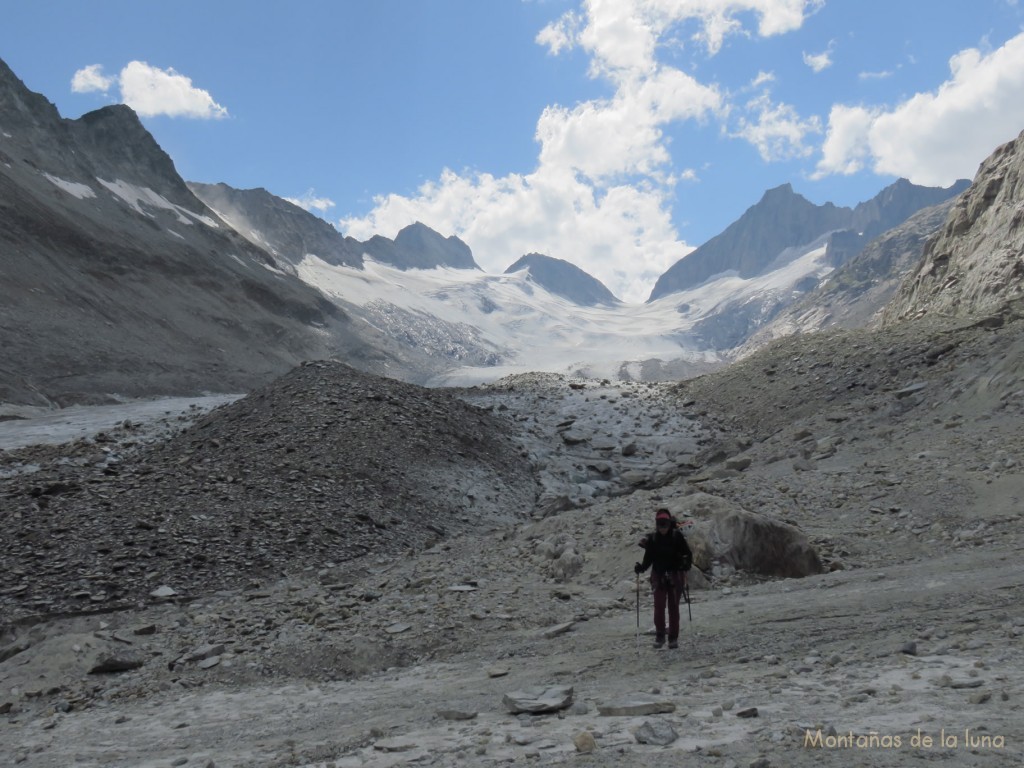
[{"x": 784, "y": 219}]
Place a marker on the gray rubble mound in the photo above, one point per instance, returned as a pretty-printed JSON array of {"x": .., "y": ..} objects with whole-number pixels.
[{"x": 321, "y": 466}]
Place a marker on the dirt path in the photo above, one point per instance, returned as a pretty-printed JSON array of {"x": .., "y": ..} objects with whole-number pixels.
[{"x": 821, "y": 653}]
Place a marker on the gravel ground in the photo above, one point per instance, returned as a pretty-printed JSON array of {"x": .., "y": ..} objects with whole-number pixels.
[{"x": 897, "y": 453}]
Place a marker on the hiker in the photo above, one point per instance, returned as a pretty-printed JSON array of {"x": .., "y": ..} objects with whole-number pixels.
[{"x": 669, "y": 554}]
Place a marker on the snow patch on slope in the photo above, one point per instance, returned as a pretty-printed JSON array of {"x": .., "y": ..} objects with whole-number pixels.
[
  {"x": 73, "y": 188},
  {"x": 136, "y": 197}
]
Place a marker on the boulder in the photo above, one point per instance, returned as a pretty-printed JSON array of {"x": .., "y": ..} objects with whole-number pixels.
[
  {"x": 539, "y": 700},
  {"x": 724, "y": 531}
]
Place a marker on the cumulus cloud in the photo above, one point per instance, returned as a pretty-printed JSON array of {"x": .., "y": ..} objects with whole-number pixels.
[
  {"x": 934, "y": 138},
  {"x": 91, "y": 78},
  {"x": 818, "y": 61},
  {"x": 310, "y": 202},
  {"x": 622, "y": 234},
  {"x": 151, "y": 91},
  {"x": 602, "y": 191},
  {"x": 778, "y": 132}
]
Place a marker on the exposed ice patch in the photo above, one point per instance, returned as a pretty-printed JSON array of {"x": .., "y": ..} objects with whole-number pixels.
[
  {"x": 73, "y": 188},
  {"x": 136, "y": 197}
]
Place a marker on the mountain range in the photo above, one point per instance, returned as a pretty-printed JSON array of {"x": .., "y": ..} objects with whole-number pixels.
[{"x": 121, "y": 279}]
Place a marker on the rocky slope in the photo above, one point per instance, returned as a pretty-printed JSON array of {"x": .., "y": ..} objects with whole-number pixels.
[
  {"x": 283, "y": 229},
  {"x": 973, "y": 266},
  {"x": 324, "y": 464},
  {"x": 896, "y": 452}
]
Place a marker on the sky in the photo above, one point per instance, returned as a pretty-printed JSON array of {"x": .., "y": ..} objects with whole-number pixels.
[{"x": 615, "y": 134}]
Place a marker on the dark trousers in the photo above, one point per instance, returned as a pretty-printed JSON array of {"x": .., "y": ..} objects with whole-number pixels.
[{"x": 668, "y": 591}]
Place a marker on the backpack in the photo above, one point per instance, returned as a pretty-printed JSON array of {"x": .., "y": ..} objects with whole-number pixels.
[{"x": 677, "y": 535}]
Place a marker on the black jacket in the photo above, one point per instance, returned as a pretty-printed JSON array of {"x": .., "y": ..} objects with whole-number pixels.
[{"x": 667, "y": 552}]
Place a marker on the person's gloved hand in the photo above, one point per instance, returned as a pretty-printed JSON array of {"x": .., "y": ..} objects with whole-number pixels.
[{"x": 638, "y": 568}]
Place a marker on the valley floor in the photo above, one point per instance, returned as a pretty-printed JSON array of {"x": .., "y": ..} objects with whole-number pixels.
[{"x": 908, "y": 650}]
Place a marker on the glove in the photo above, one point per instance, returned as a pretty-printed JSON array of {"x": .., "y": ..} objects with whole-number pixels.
[{"x": 638, "y": 568}]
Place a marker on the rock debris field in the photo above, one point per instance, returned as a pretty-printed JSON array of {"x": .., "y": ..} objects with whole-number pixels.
[{"x": 342, "y": 570}]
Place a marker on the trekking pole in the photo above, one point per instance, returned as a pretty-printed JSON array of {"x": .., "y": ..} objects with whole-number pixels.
[
  {"x": 638, "y": 614},
  {"x": 686, "y": 596}
]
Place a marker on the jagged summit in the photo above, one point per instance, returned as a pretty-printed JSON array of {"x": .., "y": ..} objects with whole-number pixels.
[
  {"x": 417, "y": 246},
  {"x": 784, "y": 219},
  {"x": 564, "y": 279}
]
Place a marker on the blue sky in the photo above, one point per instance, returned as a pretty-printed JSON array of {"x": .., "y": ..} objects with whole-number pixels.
[{"x": 615, "y": 134}]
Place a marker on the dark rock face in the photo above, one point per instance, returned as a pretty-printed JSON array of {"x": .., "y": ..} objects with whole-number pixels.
[
  {"x": 564, "y": 279},
  {"x": 417, "y": 246},
  {"x": 783, "y": 219},
  {"x": 321, "y": 466},
  {"x": 284, "y": 229}
]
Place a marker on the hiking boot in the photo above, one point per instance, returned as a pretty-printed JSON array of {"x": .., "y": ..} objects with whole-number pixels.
[
  {"x": 659, "y": 641},
  {"x": 673, "y": 643}
]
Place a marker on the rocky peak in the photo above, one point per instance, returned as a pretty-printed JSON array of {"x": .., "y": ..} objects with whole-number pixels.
[
  {"x": 564, "y": 279},
  {"x": 780, "y": 219},
  {"x": 898, "y": 202},
  {"x": 973, "y": 266},
  {"x": 417, "y": 246},
  {"x": 21, "y": 108},
  {"x": 122, "y": 148},
  {"x": 418, "y": 242}
]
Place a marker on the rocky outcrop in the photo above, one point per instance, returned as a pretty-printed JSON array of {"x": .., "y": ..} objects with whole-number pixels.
[
  {"x": 564, "y": 279},
  {"x": 973, "y": 267}
]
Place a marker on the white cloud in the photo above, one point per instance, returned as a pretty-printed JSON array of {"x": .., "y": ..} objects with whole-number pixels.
[
  {"x": 602, "y": 191},
  {"x": 91, "y": 78},
  {"x": 763, "y": 78},
  {"x": 151, "y": 91},
  {"x": 875, "y": 75},
  {"x": 935, "y": 138},
  {"x": 560, "y": 35},
  {"x": 310, "y": 202},
  {"x": 819, "y": 61},
  {"x": 778, "y": 132},
  {"x": 846, "y": 149}
]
